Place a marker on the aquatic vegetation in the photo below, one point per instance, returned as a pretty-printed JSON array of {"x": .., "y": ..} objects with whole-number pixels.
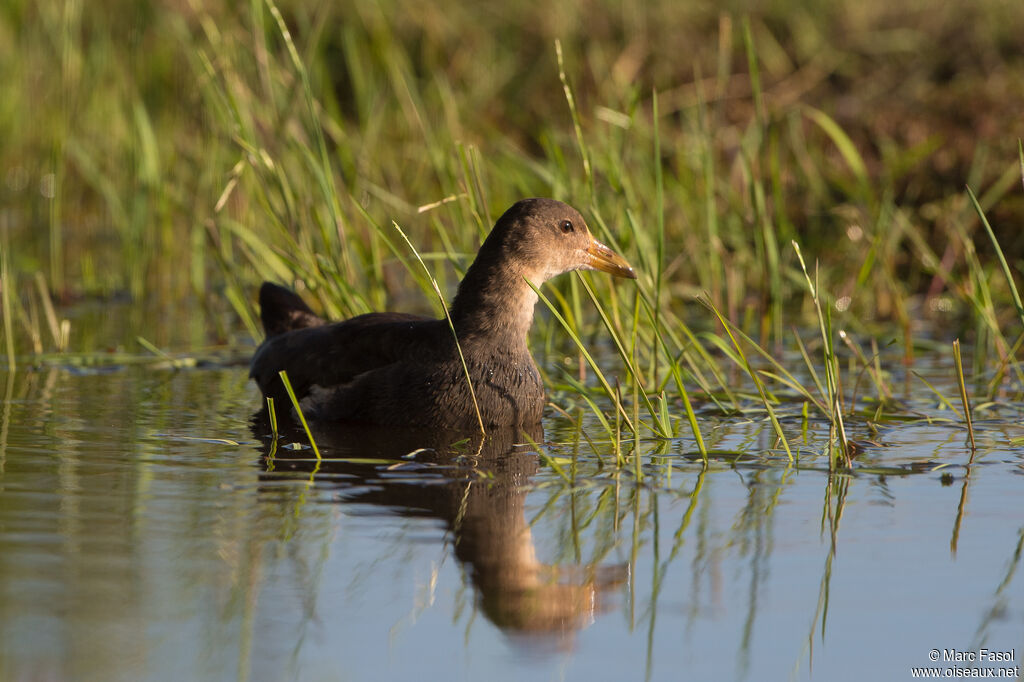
[
  {"x": 822, "y": 202},
  {"x": 305, "y": 135}
]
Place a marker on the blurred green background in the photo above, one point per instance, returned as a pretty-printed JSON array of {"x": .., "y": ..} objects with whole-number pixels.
[{"x": 172, "y": 154}]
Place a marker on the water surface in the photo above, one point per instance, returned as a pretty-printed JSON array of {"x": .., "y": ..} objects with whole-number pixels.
[{"x": 150, "y": 530}]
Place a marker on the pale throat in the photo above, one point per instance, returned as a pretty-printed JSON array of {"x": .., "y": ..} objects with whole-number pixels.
[{"x": 504, "y": 307}]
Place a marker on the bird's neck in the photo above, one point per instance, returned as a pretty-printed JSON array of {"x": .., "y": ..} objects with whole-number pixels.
[{"x": 494, "y": 301}]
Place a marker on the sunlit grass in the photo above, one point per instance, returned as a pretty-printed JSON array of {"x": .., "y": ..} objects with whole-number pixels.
[
  {"x": 451, "y": 327},
  {"x": 299, "y": 413},
  {"x": 831, "y": 364},
  {"x": 958, "y": 362},
  {"x": 305, "y": 135}
]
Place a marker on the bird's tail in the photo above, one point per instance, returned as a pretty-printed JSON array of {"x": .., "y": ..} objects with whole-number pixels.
[{"x": 281, "y": 310}]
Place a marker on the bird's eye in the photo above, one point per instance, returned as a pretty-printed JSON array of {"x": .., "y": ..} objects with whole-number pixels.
[{"x": 566, "y": 226}]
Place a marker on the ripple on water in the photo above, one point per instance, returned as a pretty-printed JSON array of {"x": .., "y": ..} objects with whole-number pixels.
[{"x": 139, "y": 512}]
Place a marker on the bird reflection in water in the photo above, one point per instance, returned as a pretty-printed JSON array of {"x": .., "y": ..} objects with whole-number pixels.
[{"x": 476, "y": 485}]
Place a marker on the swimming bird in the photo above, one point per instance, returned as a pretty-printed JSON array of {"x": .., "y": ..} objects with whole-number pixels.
[{"x": 398, "y": 369}]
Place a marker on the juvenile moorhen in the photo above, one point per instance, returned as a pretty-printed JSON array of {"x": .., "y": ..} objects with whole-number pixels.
[{"x": 404, "y": 370}]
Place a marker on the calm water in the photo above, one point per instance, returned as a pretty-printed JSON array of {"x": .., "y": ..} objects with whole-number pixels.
[{"x": 149, "y": 531}]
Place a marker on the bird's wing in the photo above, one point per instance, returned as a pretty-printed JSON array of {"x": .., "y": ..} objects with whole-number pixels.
[{"x": 333, "y": 354}]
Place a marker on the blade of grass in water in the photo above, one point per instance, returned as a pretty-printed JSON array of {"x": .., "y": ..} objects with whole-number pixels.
[
  {"x": 963, "y": 392},
  {"x": 999, "y": 251},
  {"x": 586, "y": 354},
  {"x": 451, "y": 326},
  {"x": 831, "y": 364},
  {"x": 675, "y": 361},
  {"x": 5, "y": 303},
  {"x": 298, "y": 410},
  {"x": 684, "y": 394},
  {"x": 59, "y": 339},
  {"x": 659, "y": 193},
  {"x": 662, "y": 430},
  {"x": 785, "y": 376},
  {"x": 272, "y": 415},
  {"x": 745, "y": 363}
]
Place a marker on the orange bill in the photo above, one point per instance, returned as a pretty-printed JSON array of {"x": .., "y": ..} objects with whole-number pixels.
[{"x": 600, "y": 257}]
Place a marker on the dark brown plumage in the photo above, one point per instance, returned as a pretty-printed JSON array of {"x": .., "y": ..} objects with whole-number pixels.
[{"x": 404, "y": 370}]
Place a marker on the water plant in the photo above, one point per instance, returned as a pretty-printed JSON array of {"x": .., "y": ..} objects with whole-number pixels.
[{"x": 316, "y": 132}]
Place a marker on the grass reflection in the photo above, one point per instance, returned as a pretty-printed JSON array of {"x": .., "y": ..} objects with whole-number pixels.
[{"x": 542, "y": 557}]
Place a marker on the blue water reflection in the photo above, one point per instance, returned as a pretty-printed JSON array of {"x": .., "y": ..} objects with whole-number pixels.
[{"x": 145, "y": 536}]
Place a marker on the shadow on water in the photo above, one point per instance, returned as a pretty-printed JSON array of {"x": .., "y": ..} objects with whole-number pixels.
[{"x": 476, "y": 485}]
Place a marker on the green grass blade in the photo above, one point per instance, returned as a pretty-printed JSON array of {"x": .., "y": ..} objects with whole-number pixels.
[
  {"x": 298, "y": 410},
  {"x": 745, "y": 363},
  {"x": 451, "y": 326},
  {"x": 999, "y": 252},
  {"x": 583, "y": 349}
]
